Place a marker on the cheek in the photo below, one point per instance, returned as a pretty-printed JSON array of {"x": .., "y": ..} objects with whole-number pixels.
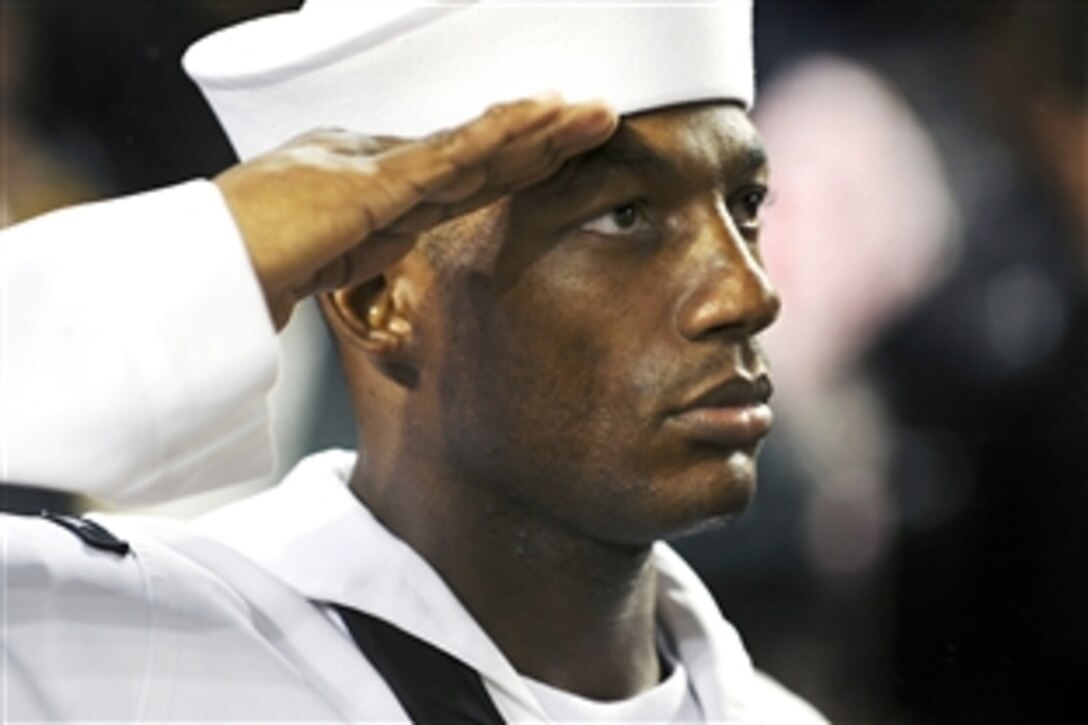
[
  {"x": 555, "y": 377},
  {"x": 589, "y": 356},
  {"x": 551, "y": 381}
]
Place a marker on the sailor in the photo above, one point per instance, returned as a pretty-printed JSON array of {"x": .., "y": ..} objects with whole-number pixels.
[{"x": 547, "y": 318}]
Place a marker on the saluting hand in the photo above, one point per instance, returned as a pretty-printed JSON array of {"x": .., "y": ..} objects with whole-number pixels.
[{"x": 333, "y": 208}]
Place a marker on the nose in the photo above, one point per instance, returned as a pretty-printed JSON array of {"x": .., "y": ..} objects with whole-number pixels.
[{"x": 733, "y": 295}]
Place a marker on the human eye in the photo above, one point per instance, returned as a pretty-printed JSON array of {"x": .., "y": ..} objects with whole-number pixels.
[
  {"x": 746, "y": 205},
  {"x": 621, "y": 221}
]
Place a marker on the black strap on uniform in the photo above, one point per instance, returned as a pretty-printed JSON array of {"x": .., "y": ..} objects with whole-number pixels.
[
  {"x": 93, "y": 534},
  {"x": 432, "y": 686}
]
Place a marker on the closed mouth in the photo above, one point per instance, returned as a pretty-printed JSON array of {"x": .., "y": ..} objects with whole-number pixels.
[{"x": 735, "y": 413}]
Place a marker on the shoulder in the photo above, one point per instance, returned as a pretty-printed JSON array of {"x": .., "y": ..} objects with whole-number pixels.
[
  {"x": 79, "y": 620},
  {"x": 151, "y": 633},
  {"x": 87, "y": 576},
  {"x": 59, "y": 556}
]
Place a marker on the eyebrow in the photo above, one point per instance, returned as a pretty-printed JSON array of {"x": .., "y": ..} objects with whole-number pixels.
[
  {"x": 755, "y": 159},
  {"x": 625, "y": 152}
]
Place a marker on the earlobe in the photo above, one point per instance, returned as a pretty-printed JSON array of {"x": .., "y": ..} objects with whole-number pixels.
[{"x": 372, "y": 317}]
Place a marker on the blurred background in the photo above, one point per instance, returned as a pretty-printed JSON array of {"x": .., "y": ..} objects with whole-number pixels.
[{"x": 918, "y": 551}]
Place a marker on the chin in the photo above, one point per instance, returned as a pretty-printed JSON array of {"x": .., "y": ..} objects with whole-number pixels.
[
  {"x": 707, "y": 497},
  {"x": 720, "y": 494},
  {"x": 739, "y": 481}
]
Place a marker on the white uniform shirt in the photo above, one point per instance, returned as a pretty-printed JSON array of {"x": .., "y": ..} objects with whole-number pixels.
[{"x": 225, "y": 619}]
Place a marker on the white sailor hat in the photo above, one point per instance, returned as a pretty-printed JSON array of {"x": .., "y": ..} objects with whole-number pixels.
[{"x": 407, "y": 68}]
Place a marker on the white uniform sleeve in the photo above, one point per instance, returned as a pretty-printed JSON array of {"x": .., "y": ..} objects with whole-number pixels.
[{"x": 136, "y": 349}]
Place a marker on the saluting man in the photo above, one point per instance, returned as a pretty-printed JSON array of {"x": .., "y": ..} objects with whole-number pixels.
[{"x": 547, "y": 317}]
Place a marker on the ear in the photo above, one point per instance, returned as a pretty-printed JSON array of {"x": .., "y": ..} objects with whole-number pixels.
[{"x": 375, "y": 317}]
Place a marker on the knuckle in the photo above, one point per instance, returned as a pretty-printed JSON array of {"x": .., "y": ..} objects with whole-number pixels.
[
  {"x": 442, "y": 140},
  {"x": 347, "y": 270},
  {"x": 380, "y": 144},
  {"x": 368, "y": 220},
  {"x": 366, "y": 145},
  {"x": 323, "y": 135},
  {"x": 549, "y": 150},
  {"x": 500, "y": 111},
  {"x": 552, "y": 156}
]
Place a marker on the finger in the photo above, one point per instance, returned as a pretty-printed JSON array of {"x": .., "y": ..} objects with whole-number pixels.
[
  {"x": 356, "y": 144},
  {"x": 501, "y": 124},
  {"x": 342, "y": 141},
  {"x": 395, "y": 181},
  {"x": 520, "y": 165},
  {"x": 395, "y": 190},
  {"x": 358, "y": 264},
  {"x": 467, "y": 184},
  {"x": 582, "y": 128},
  {"x": 438, "y": 159},
  {"x": 424, "y": 217},
  {"x": 578, "y": 129}
]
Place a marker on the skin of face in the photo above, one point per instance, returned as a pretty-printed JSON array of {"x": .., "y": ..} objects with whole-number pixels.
[{"x": 556, "y": 335}]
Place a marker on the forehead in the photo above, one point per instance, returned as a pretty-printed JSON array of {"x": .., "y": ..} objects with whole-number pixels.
[
  {"x": 695, "y": 144},
  {"x": 722, "y": 130}
]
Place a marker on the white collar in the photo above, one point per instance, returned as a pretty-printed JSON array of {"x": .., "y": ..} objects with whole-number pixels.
[{"x": 313, "y": 534}]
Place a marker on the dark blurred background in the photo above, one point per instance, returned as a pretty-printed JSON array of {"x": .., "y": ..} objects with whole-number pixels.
[{"x": 918, "y": 551}]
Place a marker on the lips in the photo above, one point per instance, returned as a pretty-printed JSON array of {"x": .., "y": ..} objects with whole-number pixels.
[{"x": 735, "y": 413}]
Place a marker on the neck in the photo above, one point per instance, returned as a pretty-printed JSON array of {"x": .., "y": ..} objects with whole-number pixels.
[{"x": 575, "y": 613}]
